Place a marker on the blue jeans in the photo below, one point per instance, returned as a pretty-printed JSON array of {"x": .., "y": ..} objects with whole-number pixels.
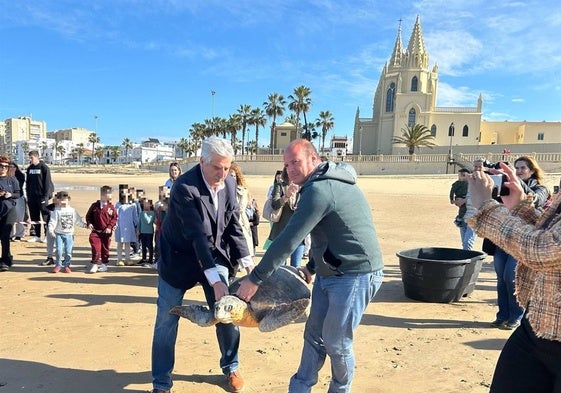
[
  {"x": 297, "y": 254},
  {"x": 505, "y": 265},
  {"x": 64, "y": 244},
  {"x": 165, "y": 333},
  {"x": 468, "y": 236},
  {"x": 338, "y": 303}
]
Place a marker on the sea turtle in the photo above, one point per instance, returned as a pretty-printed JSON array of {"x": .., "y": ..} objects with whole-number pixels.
[{"x": 279, "y": 300}]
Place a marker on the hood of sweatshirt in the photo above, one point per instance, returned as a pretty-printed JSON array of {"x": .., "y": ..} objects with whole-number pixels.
[{"x": 330, "y": 170}]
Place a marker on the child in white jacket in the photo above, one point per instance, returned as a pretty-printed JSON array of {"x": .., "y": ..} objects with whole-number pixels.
[{"x": 61, "y": 227}]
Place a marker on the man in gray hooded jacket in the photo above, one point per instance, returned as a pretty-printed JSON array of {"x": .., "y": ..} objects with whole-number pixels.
[{"x": 345, "y": 255}]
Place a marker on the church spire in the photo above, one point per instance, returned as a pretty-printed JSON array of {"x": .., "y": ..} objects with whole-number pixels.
[
  {"x": 416, "y": 55},
  {"x": 395, "y": 60}
]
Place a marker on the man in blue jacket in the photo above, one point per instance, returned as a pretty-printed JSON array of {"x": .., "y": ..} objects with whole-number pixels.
[
  {"x": 344, "y": 253},
  {"x": 201, "y": 242}
]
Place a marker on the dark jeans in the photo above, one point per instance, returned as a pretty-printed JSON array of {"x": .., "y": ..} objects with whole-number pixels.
[
  {"x": 37, "y": 212},
  {"x": 165, "y": 332},
  {"x": 147, "y": 243},
  {"x": 6, "y": 229},
  {"x": 528, "y": 364}
]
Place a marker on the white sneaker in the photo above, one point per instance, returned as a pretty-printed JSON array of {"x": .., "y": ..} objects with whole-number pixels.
[
  {"x": 33, "y": 239},
  {"x": 94, "y": 268},
  {"x": 102, "y": 268},
  {"x": 43, "y": 240},
  {"x": 120, "y": 263}
]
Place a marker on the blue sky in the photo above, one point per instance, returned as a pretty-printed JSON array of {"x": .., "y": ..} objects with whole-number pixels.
[{"x": 146, "y": 68}]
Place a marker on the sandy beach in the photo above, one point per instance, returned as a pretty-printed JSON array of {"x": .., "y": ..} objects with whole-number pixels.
[{"x": 92, "y": 333}]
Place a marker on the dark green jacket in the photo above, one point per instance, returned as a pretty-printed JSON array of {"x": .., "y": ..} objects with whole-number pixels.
[{"x": 336, "y": 214}]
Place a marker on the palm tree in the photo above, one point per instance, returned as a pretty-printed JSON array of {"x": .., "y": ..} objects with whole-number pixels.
[
  {"x": 274, "y": 107},
  {"x": 183, "y": 144},
  {"x": 252, "y": 147},
  {"x": 93, "y": 139},
  {"x": 25, "y": 147},
  {"x": 80, "y": 150},
  {"x": 300, "y": 102},
  {"x": 326, "y": 122},
  {"x": 257, "y": 119},
  {"x": 44, "y": 147},
  {"x": 197, "y": 133},
  {"x": 413, "y": 137},
  {"x": 55, "y": 149},
  {"x": 115, "y": 152},
  {"x": 244, "y": 111},
  {"x": 99, "y": 153},
  {"x": 232, "y": 126},
  {"x": 127, "y": 144},
  {"x": 61, "y": 150}
]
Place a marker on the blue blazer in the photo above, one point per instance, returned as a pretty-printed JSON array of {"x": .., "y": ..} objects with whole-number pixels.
[{"x": 195, "y": 235}]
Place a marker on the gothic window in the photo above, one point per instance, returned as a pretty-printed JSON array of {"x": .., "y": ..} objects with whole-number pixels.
[
  {"x": 390, "y": 98},
  {"x": 465, "y": 130},
  {"x": 412, "y": 117},
  {"x": 433, "y": 130},
  {"x": 414, "y": 84}
]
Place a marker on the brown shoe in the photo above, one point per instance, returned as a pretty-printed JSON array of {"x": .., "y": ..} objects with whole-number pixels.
[{"x": 235, "y": 381}]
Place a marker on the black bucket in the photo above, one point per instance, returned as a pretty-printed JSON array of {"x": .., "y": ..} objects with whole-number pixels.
[{"x": 439, "y": 275}]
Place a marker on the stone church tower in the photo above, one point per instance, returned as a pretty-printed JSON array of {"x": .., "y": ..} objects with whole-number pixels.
[{"x": 406, "y": 95}]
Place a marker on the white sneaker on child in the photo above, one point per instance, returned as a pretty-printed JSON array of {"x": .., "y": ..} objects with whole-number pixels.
[
  {"x": 102, "y": 268},
  {"x": 94, "y": 268}
]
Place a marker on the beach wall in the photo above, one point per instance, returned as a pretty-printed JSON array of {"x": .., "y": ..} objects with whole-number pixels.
[{"x": 365, "y": 168}]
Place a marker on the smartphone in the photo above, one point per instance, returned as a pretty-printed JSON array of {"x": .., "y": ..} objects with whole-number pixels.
[
  {"x": 498, "y": 189},
  {"x": 555, "y": 189}
]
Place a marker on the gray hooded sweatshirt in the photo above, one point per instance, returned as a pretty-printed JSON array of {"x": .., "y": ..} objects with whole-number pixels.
[{"x": 334, "y": 210}]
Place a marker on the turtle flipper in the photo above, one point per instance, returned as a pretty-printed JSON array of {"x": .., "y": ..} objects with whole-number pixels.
[
  {"x": 283, "y": 314},
  {"x": 201, "y": 315}
]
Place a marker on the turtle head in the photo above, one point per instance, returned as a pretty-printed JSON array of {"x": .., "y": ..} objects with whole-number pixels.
[{"x": 229, "y": 309}]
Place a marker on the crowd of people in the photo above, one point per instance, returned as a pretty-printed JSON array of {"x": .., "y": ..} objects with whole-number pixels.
[
  {"x": 203, "y": 230},
  {"x": 32, "y": 211}
]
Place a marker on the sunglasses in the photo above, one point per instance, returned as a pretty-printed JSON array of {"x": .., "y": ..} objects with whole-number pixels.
[{"x": 4, "y": 165}]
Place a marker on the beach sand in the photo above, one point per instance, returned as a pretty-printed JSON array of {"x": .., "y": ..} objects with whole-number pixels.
[{"x": 84, "y": 332}]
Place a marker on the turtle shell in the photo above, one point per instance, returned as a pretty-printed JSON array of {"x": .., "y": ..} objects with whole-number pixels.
[{"x": 278, "y": 292}]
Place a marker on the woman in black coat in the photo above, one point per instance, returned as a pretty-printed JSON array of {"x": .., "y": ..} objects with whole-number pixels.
[{"x": 10, "y": 191}]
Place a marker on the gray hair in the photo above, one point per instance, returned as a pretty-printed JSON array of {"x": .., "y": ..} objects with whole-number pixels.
[{"x": 214, "y": 146}]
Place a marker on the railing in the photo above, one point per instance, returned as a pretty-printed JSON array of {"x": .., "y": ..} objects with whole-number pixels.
[
  {"x": 397, "y": 158},
  {"x": 459, "y": 109}
]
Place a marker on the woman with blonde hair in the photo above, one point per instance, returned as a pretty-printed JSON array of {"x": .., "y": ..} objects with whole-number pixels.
[{"x": 242, "y": 195}]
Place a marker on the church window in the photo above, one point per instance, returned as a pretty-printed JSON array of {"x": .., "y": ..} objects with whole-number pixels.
[
  {"x": 414, "y": 84},
  {"x": 433, "y": 130},
  {"x": 412, "y": 117},
  {"x": 465, "y": 130},
  {"x": 540, "y": 136},
  {"x": 390, "y": 98}
]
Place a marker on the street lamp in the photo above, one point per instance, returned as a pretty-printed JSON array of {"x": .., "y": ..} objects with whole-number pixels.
[
  {"x": 451, "y": 134},
  {"x": 360, "y": 141},
  {"x": 212, "y": 92},
  {"x": 450, "y": 153}
]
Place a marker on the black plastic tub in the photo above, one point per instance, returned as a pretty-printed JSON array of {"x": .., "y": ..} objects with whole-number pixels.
[{"x": 439, "y": 275}]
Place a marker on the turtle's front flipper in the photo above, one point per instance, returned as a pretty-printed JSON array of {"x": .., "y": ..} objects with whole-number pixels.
[
  {"x": 283, "y": 314},
  {"x": 201, "y": 315}
]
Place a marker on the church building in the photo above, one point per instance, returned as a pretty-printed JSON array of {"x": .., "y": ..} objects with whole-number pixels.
[{"x": 406, "y": 95}]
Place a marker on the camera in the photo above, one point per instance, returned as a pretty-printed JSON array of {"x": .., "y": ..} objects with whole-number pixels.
[
  {"x": 493, "y": 165},
  {"x": 498, "y": 189}
]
